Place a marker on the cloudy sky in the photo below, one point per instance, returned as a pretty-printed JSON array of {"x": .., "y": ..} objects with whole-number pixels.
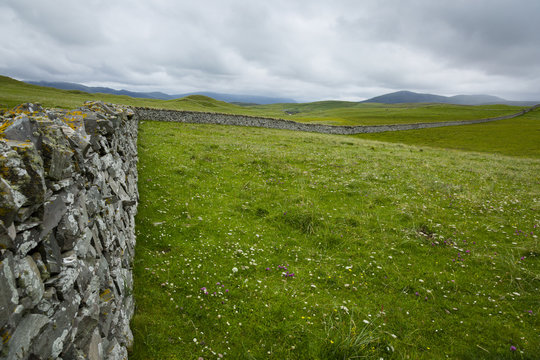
[{"x": 304, "y": 49}]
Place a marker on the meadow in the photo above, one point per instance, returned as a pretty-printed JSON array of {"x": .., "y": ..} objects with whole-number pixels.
[{"x": 268, "y": 244}]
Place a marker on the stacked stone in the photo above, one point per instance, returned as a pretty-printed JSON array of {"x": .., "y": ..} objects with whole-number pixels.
[
  {"x": 68, "y": 197},
  {"x": 196, "y": 117}
]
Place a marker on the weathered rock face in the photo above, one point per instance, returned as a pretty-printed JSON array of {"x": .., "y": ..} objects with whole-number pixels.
[{"x": 68, "y": 197}]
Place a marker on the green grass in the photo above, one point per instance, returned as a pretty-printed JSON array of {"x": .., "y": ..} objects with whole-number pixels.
[
  {"x": 350, "y": 113},
  {"x": 397, "y": 252},
  {"x": 516, "y": 137},
  {"x": 13, "y": 92}
]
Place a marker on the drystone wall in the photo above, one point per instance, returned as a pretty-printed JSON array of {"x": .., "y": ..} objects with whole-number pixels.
[
  {"x": 68, "y": 197},
  {"x": 241, "y": 120}
]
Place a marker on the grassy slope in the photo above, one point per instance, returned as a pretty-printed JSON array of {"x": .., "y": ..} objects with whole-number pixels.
[
  {"x": 515, "y": 137},
  {"x": 428, "y": 253},
  {"x": 13, "y": 92}
]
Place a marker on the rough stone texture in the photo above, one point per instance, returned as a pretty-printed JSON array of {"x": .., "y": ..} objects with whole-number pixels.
[
  {"x": 68, "y": 197},
  {"x": 24, "y": 335},
  {"x": 240, "y": 120}
]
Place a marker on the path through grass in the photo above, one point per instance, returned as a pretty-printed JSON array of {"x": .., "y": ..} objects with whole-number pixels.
[{"x": 267, "y": 244}]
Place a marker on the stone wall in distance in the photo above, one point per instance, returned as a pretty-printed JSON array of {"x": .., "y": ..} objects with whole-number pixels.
[{"x": 145, "y": 113}]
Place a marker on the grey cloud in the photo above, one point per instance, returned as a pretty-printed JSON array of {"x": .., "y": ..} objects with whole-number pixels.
[
  {"x": 307, "y": 50},
  {"x": 63, "y": 21}
]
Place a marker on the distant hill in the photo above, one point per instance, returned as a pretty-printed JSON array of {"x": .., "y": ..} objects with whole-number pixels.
[
  {"x": 103, "y": 90},
  {"x": 243, "y": 99},
  {"x": 412, "y": 97},
  {"x": 230, "y": 98}
]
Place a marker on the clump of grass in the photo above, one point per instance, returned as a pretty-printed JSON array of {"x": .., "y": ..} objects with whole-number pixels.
[{"x": 350, "y": 338}]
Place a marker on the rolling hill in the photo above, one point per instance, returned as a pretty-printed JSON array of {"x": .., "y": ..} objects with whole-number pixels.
[
  {"x": 412, "y": 97},
  {"x": 230, "y": 98}
]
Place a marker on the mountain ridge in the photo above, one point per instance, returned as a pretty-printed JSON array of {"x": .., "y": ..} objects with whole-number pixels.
[
  {"x": 230, "y": 98},
  {"x": 405, "y": 96}
]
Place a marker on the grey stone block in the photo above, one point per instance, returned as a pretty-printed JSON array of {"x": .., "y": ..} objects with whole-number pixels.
[
  {"x": 29, "y": 280},
  {"x": 54, "y": 210},
  {"x": 50, "y": 254},
  {"x": 23, "y": 337},
  {"x": 9, "y": 297},
  {"x": 7, "y": 235},
  {"x": 8, "y": 203},
  {"x": 95, "y": 348},
  {"x": 59, "y": 332},
  {"x": 21, "y": 129},
  {"x": 27, "y": 241}
]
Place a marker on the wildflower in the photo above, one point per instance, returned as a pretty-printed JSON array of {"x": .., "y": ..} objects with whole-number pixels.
[
  {"x": 513, "y": 348},
  {"x": 234, "y": 269}
]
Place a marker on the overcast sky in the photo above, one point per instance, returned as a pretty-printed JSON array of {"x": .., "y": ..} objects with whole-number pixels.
[{"x": 305, "y": 49}]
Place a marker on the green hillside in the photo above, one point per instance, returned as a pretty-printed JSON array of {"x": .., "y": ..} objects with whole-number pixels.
[{"x": 13, "y": 92}]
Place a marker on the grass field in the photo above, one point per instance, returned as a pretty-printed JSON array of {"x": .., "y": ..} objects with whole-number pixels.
[
  {"x": 515, "y": 137},
  {"x": 350, "y": 113},
  {"x": 13, "y": 92},
  {"x": 266, "y": 244}
]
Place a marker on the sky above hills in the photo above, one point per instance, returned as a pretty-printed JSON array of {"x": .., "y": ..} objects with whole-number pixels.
[{"x": 306, "y": 49}]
